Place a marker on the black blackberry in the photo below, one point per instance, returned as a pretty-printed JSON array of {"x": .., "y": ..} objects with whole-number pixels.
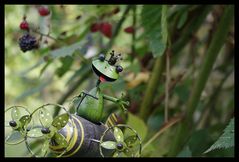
[{"x": 27, "y": 42}]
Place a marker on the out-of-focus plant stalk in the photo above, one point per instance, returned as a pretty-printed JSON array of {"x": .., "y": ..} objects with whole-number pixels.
[
  {"x": 146, "y": 105},
  {"x": 219, "y": 37}
]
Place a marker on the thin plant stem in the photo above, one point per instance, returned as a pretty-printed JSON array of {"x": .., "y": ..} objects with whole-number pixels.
[
  {"x": 166, "y": 126},
  {"x": 167, "y": 86}
]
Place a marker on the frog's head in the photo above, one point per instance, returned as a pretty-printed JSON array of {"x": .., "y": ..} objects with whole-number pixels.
[{"x": 107, "y": 70}]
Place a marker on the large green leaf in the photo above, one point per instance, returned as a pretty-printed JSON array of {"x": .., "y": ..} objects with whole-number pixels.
[
  {"x": 226, "y": 140},
  {"x": 154, "y": 20},
  {"x": 66, "y": 51},
  {"x": 138, "y": 125}
]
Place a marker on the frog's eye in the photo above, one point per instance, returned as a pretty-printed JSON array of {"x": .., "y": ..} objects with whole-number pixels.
[
  {"x": 101, "y": 57},
  {"x": 119, "y": 68}
]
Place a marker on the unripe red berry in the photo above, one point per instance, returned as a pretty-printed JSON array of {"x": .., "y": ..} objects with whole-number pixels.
[
  {"x": 24, "y": 25},
  {"x": 129, "y": 29},
  {"x": 95, "y": 27},
  {"x": 43, "y": 11},
  {"x": 106, "y": 29}
]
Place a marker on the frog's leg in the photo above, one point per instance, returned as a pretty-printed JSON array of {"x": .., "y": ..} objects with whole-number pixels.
[{"x": 120, "y": 102}]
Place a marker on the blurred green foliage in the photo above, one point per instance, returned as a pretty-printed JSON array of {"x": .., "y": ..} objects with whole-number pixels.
[{"x": 61, "y": 68}]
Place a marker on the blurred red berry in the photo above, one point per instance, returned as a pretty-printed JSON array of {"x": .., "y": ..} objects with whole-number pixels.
[
  {"x": 106, "y": 29},
  {"x": 116, "y": 10},
  {"x": 24, "y": 25},
  {"x": 129, "y": 29},
  {"x": 95, "y": 27},
  {"x": 43, "y": 11}
]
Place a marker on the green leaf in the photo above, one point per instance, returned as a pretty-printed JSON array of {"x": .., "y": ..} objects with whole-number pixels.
[
  {"x": 25, "y": 120},
  {"x": 186, "y": 152},
  {"x": 138, "y": 124},
  {"x": 45, "y": 117},
  {"x": 130, "y": 140},
  {"x": 128, "y": 152},
  {"x": 66, "y": 51},
  {"x": 182, "y": 19},
  {"x": 66, "y": 64},
  {"x": 118, "y": 134},
  {"x": 15, "y": 113},
  {"x": 44, "y": 148},
  {"x": 60, "y": 121},
  {"x": 35, "y": 133},
  {"x": 226, "y": 140},
  {"x": 108, "y": 144},
  {"x": 14, "y": 137},
  {"x": 60, "y": 139},
  {"x": 154, "y": 20},
  {"x": 199, "y": 141}
]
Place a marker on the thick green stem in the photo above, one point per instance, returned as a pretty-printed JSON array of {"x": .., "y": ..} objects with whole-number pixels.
[
  {"x": 146, "y": 105},
  {"x": 219, "y": 37}
]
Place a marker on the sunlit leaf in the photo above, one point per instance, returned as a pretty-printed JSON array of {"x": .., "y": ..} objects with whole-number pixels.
[
  {"x": 14, "y": 137},
  {"x": 130, "y": 141},
  {"x": 128, "y": 152},
  {"x": 108, "y": 144},
  {"x": 118, "y": 134},
  {"x": 25, "y": 120},
  {"x": 138, "y": 124},
  {"x": 45, "y": 148},
  {"x": 15, "y": 113},
  {"x": 45, "y": 117},
  {"x": 116, "y": 154},
  {"x": 60, "y": 140},
  {"x": 35, "y": 133},
  {"x": 60, "y": 121}
]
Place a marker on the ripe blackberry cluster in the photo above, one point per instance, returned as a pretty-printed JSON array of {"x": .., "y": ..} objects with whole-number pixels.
[{"x": 27, "y": 42}]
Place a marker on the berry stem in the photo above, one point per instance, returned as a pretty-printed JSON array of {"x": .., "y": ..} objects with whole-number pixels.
[{"x": 46, "y": 35}]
